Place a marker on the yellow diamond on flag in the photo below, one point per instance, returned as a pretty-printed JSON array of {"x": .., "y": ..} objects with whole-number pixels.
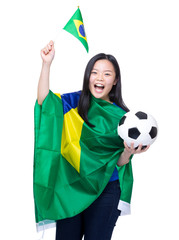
[{"x": 80, "y": 28}]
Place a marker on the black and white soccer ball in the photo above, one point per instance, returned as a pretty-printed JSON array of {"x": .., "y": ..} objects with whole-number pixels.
[{"x": 138, "y": 128}]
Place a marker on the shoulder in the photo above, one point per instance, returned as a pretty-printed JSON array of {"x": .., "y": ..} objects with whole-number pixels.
[
  {"x": 118, "y": 106},
  {"x": 70, "y": 100}
]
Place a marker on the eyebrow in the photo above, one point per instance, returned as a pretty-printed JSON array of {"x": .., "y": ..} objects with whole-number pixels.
[{"x": 104, "y": 70}]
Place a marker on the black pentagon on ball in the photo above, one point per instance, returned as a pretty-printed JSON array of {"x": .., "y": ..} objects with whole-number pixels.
[
  {"x": 133, "y": 133},
  {"x": 153, "y": 132},
  {"x": 141, "y": 115},
  {"x": 122, "y": 120}
]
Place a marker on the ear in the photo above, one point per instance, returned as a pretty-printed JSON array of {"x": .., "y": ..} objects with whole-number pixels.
[{"x": 115, "y": 82}]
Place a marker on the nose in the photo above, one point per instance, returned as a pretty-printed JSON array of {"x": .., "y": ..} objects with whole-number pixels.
[{"x": 100, "y": 76}]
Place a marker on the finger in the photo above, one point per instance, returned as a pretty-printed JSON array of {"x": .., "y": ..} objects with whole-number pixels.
[
  {"x": 46, "y": 50},
  {"x": 51, "y": 43},
  {"x": 43, "y": 51},
  {"x": 145, "y": 149},
  {"x": 49, "y": 47},
  {"x": 132, "y": 146},
  {"x": 139, "y": 148},
  {"x": 126, "y": 146}
]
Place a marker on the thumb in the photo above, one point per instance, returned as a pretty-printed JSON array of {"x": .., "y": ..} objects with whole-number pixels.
[{"x": 51, "y": 43}]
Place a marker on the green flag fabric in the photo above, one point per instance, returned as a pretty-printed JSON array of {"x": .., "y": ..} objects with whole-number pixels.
[
  {"x": 75, "y": 26},
  {"x": 72, "y": 161}
]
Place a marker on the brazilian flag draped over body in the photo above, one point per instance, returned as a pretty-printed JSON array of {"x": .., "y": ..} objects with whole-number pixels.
[{"x": 72, "y": 161}]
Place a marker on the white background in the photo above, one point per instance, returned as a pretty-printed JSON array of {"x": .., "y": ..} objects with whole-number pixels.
[{"x": 143, "y": 36}]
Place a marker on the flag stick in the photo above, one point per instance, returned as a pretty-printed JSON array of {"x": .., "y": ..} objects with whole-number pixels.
[{"x": 57, "y": 35}]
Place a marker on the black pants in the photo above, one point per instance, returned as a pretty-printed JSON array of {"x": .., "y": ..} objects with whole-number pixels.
[{"x": 97, "y": 221}]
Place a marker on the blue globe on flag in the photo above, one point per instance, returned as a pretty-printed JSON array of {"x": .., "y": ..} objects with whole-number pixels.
[{"x": 82, "y": 30}]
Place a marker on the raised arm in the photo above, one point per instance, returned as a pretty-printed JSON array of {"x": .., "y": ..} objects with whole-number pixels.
[{"x": 47, "y": 55}]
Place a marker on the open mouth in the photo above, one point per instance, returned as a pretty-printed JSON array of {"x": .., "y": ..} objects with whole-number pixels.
[{"x": 99, "y": 87}]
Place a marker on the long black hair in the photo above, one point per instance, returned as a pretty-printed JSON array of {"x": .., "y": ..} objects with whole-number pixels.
[{"x": 115, "y": 94}]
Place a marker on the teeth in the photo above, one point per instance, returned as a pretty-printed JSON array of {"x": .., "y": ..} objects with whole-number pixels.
[{"x": 99, "y": 85}]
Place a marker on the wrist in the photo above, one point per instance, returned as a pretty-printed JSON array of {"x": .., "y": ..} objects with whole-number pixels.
[
  {"x": 46, "y": 64},
  {"x": 126, "y": 154},
  {"x": 124, "y": 159}
]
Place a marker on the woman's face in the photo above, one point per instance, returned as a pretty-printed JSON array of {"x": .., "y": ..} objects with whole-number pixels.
[{"x": 102, "y": 79}]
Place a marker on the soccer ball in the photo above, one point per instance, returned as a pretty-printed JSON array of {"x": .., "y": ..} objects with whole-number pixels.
[{"x": 138, "y": 128}]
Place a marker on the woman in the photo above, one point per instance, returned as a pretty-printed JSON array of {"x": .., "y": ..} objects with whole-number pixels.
[{"x": 101, "y": 81}]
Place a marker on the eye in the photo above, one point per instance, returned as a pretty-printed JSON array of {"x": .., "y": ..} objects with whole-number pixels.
[
  {"x": 93, "y": 72},
  {"x": 107, "y": 74}
]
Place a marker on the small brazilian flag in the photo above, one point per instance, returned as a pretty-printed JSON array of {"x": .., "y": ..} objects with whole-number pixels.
[{"x": 75, "y": 26}]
